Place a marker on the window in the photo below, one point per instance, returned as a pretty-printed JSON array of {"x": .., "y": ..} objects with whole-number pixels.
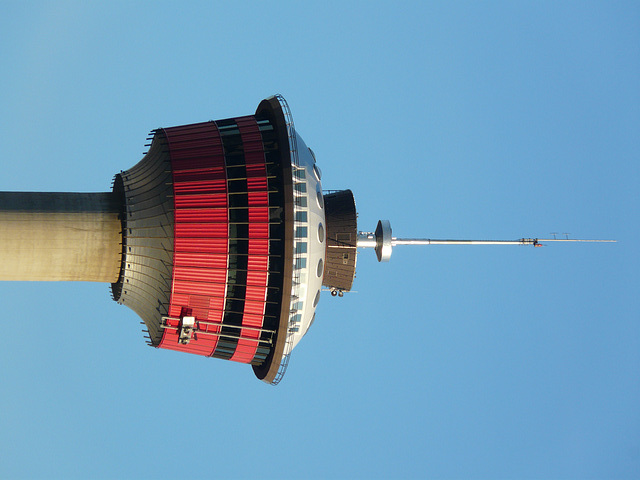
[{"x": 319, "y": 196}]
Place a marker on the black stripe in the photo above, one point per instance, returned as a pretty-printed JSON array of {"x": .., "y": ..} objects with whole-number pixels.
[
  {"x": 276, "y": 242},
  {"x": 238, "y": 249}
]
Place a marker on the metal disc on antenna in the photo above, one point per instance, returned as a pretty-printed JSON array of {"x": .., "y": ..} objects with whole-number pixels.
[{"x": 383, "y": 240}]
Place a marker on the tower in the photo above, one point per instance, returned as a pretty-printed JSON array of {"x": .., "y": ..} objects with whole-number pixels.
[
  {"x": 216, "y": 238},
  {"x": 221, "y": 238}
]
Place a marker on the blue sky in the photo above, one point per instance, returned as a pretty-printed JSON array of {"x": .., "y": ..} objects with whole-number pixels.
[{"x": 451, "y": 119}]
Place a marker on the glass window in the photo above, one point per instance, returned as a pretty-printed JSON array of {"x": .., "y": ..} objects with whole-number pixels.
[
  {"x": 301, "y": 247},
  {"x": 299, "y": 173},
  {"x": 238, "y": 214},
  {"x": 301, "y": 216},
  {"x": 301, "y": 232}
]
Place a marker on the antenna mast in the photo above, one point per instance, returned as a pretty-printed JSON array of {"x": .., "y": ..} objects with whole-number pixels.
[{"x": 383, "y": 242}]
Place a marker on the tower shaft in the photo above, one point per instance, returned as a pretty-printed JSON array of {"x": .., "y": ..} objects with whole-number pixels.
[{"x": 60, "y": 236}]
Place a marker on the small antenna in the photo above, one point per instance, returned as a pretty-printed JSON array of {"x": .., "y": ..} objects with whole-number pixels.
[{"x": 383, "y": 242}]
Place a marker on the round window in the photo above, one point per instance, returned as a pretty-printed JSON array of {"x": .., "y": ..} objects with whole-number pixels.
[{"x": 320, "y": 268}]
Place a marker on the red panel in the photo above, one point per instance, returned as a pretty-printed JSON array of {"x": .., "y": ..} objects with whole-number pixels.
[
  {"x": 205, "y": 245},
  {"x": 201, "y": 260},
  {"x": 197, "y": 174},
  {"x": 255, "y": 293},
  {"x": 196, "y": 274},
  {"x": 199, "y": 288},
  {"x": 257, "y": 279},
  {"x": 201, "y": 234},
  {"x": 257, "y": 215},
  {"x": 200, "y": 201},
  {"x": 259, "y": 231},
  {"x": 258, "y": 201},
  {"x": 187, "y": 163},
  {"x": 258, "y": 263},
  {"x": 253, "y": 307},
  {"x": 201, "y": 229},
  {"x": 201, "y": 215},
  {"x": 205, "y": 186}
]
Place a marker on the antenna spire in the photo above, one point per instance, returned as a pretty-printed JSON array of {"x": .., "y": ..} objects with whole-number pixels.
[{"x": 383, "y": 242}]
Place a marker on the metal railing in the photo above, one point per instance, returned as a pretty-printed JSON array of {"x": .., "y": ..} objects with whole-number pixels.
[{"x": 295, "y": 290}]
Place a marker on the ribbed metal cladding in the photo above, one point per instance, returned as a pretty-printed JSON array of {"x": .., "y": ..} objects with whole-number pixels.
[
  {"x": 227, "y": 261},
  {"x": 201, "y": 235},
  {"x": 342, "y": 237},
  {"x": 147, "y": 241}
]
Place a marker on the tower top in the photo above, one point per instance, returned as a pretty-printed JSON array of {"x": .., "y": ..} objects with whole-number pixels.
[{"x": 344, "y": 239}]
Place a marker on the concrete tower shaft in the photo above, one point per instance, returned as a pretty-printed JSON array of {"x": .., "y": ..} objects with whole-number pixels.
[{"x": 60, "y": 236}]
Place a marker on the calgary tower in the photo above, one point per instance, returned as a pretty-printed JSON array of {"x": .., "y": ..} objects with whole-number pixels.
[{"x": 221, "y": 238}]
